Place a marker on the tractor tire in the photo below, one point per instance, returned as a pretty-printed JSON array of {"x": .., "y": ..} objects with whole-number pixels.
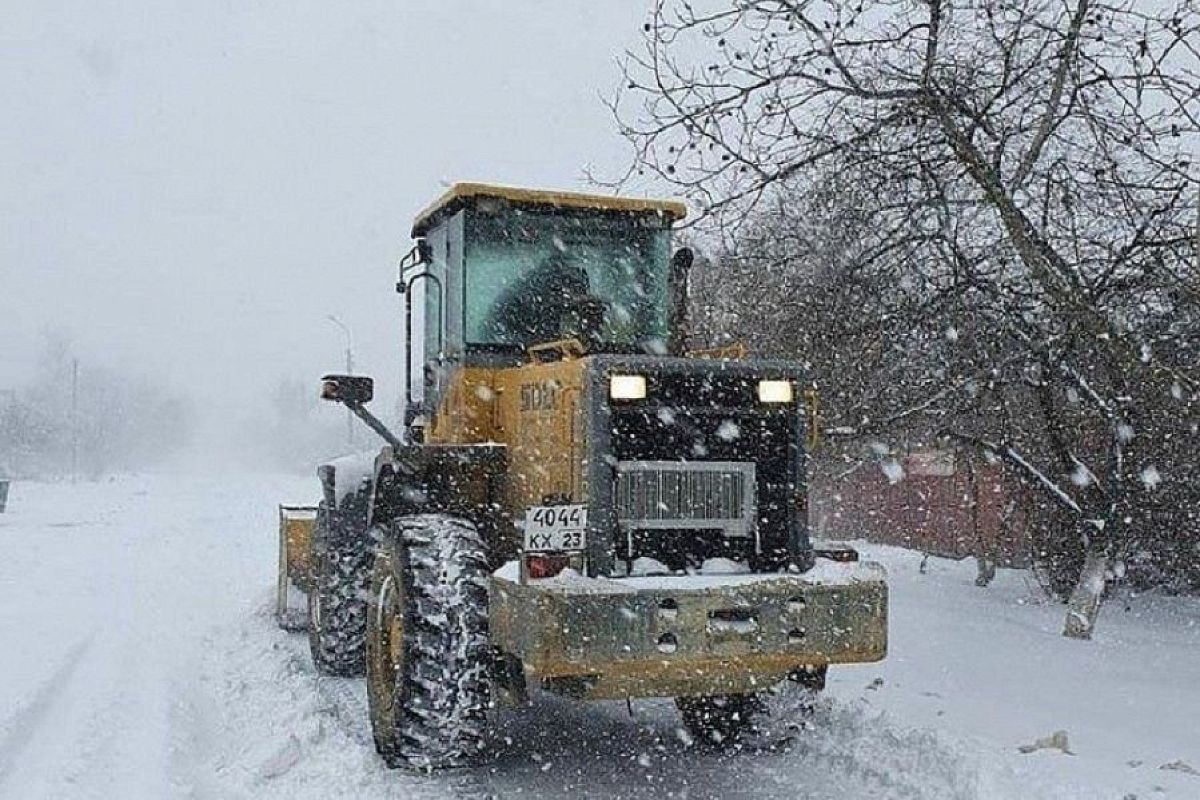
[
  {"x": 719, "y": 720},
  {"x": 811, "y": 679},
  {"x": 796, "y": 699},
  {"x": 337, "y": 611},
  {"x": 428, "y": 658}
]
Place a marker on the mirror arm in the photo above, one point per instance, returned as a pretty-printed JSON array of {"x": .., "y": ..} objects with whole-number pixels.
[
  {"x": 373, "y": 422},
  {"x": 419, "y": 255}
]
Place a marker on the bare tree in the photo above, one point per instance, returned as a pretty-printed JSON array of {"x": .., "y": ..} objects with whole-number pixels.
[{"x": 1030, "y": 167}]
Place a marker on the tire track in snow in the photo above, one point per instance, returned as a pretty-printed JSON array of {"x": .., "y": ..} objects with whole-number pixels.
[
  {"x": 293, "y": 734},
  {"x": 125, "y": 735},
  {"x": 98, "y": 727},
  {"x": 556, "y": 748},
  {"x": 562, "y": 748},
  {"x": 24, "y": 726}
]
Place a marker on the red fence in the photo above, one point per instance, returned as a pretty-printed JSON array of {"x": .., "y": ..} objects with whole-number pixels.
[{"x": 924, "y": 502}]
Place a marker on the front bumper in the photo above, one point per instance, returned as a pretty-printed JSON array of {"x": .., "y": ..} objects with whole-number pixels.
[{"x": 688, "y": 636}]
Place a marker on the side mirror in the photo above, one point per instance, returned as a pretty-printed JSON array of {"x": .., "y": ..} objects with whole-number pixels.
[{"x": 348, "y": 389}]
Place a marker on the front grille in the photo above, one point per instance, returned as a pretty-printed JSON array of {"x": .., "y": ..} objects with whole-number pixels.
[
  {"x": 705, "y": 415},
  {"x": 686, "y": 495}
]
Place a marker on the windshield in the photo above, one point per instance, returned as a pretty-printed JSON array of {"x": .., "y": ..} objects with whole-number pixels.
[{"x": 536, "y": 276}]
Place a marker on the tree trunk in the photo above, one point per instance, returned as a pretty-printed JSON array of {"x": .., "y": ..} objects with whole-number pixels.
[
  {"x": 987, "y": 571},
  {"x": 985, "y": 549},
  {"x": 1084, "y": 605}
]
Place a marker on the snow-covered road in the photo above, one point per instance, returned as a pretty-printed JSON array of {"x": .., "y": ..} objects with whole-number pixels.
[{"x": 139, "y": 660}]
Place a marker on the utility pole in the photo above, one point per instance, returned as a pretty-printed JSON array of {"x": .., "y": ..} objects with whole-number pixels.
[
  {"x": 74, "y": 420},
  {"x": 349, "y": 371}
]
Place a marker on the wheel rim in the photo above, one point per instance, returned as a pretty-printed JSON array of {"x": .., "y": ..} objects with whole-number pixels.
[
  {"x": 314, "y": 607},
  {"x": 390, "y": 624}
]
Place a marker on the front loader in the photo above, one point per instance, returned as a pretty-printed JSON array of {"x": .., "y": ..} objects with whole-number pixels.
[{"x": 576, "y": 504}]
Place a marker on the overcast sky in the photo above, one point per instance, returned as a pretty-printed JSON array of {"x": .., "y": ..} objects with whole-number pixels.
[{"x": 191, "y": 187}]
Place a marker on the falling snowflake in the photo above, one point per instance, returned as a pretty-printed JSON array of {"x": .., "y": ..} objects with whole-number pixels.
[
  {"x": 1082, "y": 476},
  {"x": 656, "y": 346},
  {"x": 1151, "y": 477},
  {"x": 728, "y": 431},
  {"x": 1125, "y": 433},
  {"x": 893, "y": 470},
  {"x": 952, "y": 334},
  {"x": 666, "y": 416}
]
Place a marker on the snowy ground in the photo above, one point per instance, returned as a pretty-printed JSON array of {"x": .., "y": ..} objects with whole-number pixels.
[{"x": 139, "y": 660}]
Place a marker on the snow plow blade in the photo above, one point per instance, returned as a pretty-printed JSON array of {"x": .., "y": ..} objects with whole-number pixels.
[
  {"x": 688, "y": 636},
  {"x": 296, "y": 525}
]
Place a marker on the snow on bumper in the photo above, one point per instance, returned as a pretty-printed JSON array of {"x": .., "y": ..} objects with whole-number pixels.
[{"x": 695, "y": 635}]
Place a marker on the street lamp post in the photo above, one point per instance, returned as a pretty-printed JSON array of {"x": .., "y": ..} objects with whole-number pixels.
[{"x": 349, "y": 371}]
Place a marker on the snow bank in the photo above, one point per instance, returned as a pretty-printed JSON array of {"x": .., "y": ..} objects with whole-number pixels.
[
  {"x": 825, "y": 573},
  {"x": 141, "y": 662},
  {"x": 350, "y": 471},
  {"x": 722, "y": 566},
  {"x": 648, "y": 566},
  {"x": 989, "y": 667}
]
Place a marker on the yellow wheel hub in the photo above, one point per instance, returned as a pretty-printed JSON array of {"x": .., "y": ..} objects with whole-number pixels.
[{"x": 395, "y": 640}]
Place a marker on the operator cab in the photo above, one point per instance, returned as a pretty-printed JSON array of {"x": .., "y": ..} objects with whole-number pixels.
[{"x": 506, "y": 269}]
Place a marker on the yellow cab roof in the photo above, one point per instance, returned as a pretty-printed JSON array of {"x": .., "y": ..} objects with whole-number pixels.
[{"x": 461, "y": 193}]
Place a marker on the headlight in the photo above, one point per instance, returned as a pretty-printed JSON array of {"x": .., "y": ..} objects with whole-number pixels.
[
  {"x": 627, "y": 387},
  {"x": 775, "y": 391}
]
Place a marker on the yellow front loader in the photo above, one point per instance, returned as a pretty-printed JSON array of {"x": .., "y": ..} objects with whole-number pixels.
[{"x": 576, "y": 503}]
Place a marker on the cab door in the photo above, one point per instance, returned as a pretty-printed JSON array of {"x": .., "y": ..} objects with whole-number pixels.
[{"x": 436, "y": 350}]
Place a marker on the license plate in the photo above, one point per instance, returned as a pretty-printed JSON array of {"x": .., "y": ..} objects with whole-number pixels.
[{"x": 556, "y": 528}]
